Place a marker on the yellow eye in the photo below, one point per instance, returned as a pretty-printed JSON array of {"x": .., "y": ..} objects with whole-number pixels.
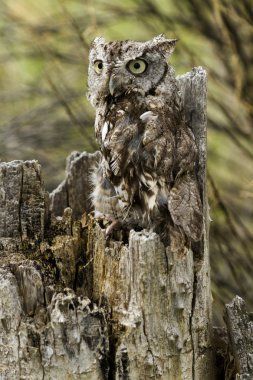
[
  {"x": 137, "y": 66},
  {"x": 98, "y": 66}
]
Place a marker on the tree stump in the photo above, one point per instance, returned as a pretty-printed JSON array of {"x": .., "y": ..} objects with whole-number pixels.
[
  {"x": 76, "y": 305},
  {"x": 240, "y": 335}
]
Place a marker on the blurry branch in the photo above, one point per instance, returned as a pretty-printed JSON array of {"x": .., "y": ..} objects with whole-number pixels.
[
  {"x": 51, "y": 52},
  {"x": 235, "y": 251},
  {"x": 233, "y": 268},
  {"x": 229, "y": 220},
  {"x": 25, "y": 93},
  {"x": 237, "y": 142},
  {"x": 75, "y": 25},
  {"x": 44, "y": 49},
  {"x": 247, "y": 233},
  {"x": 232, "y": 134},
  {"x": 30, "y": 117},
  {"x": 69, "y": 112},
  {"x": 55, "y": 25},
  {"x": 35, "y": 117},
  {"x": 43, "y": 27}
]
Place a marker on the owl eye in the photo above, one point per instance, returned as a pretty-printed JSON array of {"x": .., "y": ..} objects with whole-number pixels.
[
  {"x": 137, "y": 66},
  {"x": 98, "y": 66}
]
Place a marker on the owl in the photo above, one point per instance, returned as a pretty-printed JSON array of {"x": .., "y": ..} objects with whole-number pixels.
[{"x": 147, "y": 176}]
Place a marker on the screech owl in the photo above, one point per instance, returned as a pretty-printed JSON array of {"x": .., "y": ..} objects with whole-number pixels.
[{"x": 146, "y": 177}]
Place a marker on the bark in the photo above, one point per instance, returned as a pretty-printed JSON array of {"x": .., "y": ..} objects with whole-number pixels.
[
  {"x": 47, "y": 331},
  {"x": 240, "y": 335},
  {"x": 75, "y": 189},
  {"x": 233, "y": 344},
  {"x": 75, "y": 305}
]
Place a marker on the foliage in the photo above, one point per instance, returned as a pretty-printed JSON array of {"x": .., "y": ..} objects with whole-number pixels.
[{"x": 45, "y": 114}]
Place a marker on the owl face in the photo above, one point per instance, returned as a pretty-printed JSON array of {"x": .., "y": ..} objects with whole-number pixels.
[{"x": 124, "y": 67}]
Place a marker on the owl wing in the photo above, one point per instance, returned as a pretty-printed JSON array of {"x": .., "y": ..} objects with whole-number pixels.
[
  {"x": 185, "y": 206},
  {"x": 104, "y": 198},
  {"x": 186, "y": 150},
  {"x": 119, "y": 148},
  {"x": 158, "y": 145}
]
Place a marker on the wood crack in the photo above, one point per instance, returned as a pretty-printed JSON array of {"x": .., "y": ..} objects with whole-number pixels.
[{"x": 192, "y": 332}]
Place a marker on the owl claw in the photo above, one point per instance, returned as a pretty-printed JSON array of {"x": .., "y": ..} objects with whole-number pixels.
[{"x": 113, "y": 226}]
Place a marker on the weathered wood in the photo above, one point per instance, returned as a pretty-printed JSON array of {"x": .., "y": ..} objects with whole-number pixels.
[
  {"x": 149, "y": 292},
  {"x": 194, "y": 91},
  {"x": 64, "y": 341},
  {"x": 240, "y": 334},
  {"x": 23, "y": 202},
  {"x": 46, "y": 330},
  {"x": 74, "y": 190},
  {"x": 131, "y": 308}
]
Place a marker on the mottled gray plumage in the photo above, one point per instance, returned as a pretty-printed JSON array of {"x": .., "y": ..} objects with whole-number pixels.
[{"x": 146, "y": 177}]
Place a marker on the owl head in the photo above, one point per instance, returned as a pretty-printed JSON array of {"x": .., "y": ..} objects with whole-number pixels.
[{"x": 128, "y": 66}]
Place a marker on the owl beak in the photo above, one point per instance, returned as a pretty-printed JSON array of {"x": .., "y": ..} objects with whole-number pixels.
[{"x": 116, "y": 85}]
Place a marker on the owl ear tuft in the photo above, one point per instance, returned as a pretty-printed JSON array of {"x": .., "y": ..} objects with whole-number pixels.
[
  {"x": 98, "y": 41},
  {"x": 163, "y": 45}
]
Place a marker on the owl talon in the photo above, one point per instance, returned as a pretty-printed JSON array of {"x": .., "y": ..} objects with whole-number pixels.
[{"x": 113, "y": 226}]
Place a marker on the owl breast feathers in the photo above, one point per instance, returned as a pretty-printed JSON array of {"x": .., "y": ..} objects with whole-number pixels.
[{"x": 147, "y": 175}]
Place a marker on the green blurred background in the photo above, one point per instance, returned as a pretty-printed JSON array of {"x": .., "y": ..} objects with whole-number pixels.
[{"x": 45, "y": 114}]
